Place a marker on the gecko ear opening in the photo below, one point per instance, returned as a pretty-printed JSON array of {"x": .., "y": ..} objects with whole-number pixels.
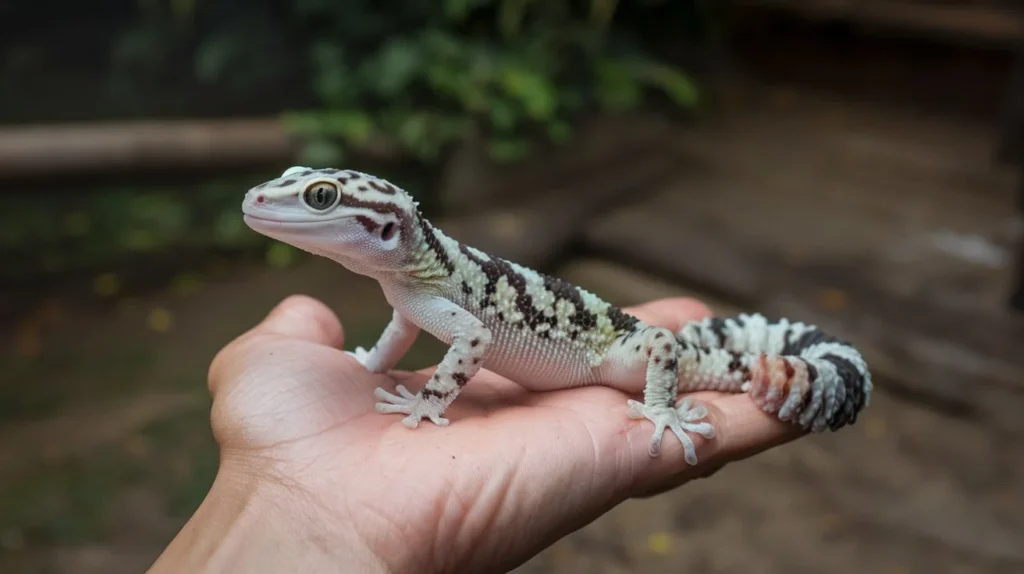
[{"x": 388, "y": 231}]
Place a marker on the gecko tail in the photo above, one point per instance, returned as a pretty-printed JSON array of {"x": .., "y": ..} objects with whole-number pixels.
[{"x": 792, "y": 370}]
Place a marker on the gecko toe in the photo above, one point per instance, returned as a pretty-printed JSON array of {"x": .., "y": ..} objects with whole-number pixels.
[
  {"x": 681, "y": 420},
  {"x": 359, "y": 354}
]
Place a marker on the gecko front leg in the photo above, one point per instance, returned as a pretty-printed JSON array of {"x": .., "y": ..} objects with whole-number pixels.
[
  {"x": 394, "y": 342},
  {"x": 470, "y": 341}
]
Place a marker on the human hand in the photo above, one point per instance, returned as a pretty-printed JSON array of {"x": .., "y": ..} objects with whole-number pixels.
[{"x": 311, "y": 475}]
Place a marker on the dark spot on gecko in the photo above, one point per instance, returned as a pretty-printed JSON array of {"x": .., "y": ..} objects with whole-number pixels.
[
  {"x": 460, "y": 361},
  {"x": 668, "y": 347},
  {"x": 367, "y": 223},
  {"x": 434, "y": 244},
  {"x": 453, "y": 313},
  {"x": 808, "y": 339},
  {"x": 621, "y": 321},
  {"x": 405, "y": 222},
  {"x": 466, "y": 290},
  {"x": 287, "y": 182},
  {"x": 717, "y": 326},
  {"x": 671, "y": 364},
  {"x": 460, "y": 379},
  {"x": 363, "y": 188},
  {"x": 790, "y": 371},
  {"x": 495, "y": 268},
  {"x": 659, "y": 335},
  {"x": 306, "y": 173},
  {"x": 476, "y": 360},
  {"x": 657, "y": 360},
  {"x": 735, "y": 363},
  {"x": 383, "y": 187},
  {"x": 637, "y": 349},
  {"x": 474, "y": 342},
  {"x": 428, "y": 393},
  {"x": 851, "y": 380}
]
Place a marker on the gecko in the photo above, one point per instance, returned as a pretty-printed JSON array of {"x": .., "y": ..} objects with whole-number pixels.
[{"x": 540, "y": 331}]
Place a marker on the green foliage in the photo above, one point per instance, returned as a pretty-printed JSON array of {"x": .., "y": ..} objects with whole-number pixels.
[
  {"x": 422, "y": 75},
  {"x": 91, "y": 228}
]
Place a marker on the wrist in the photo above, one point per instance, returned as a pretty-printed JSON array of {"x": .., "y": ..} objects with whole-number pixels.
[{"x": 250, "y": 522}]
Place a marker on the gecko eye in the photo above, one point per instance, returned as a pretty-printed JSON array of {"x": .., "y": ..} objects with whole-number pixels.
[{"x": 321, "y": 196}]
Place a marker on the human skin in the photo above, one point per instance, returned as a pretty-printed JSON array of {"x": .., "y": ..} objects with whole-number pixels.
[{"x": 311, "y": 479}]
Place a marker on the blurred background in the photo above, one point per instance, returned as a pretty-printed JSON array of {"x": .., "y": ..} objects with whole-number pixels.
[{"x": 854, "y": 164}]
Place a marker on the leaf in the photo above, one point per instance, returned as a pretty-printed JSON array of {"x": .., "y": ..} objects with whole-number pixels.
[
  {"x": 560, "y": 131},
  {"x": 356, "y": 126},
  {"x": 536, "y": 92},
  {"x": 503, "y": 115},
  {"x": 617, "y": 88},
  {"x": 673, "y": 82},
  {"x": 457, "y": 10},
  {"x": 395, "y": 67},
  {"x": 510, "y": 16},
  {"x": 508, "y": 149}
]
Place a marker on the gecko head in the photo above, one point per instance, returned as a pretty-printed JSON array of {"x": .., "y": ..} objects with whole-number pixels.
[{"x": 348, "y": 216}]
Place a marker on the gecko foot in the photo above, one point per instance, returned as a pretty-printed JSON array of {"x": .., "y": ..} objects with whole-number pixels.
[
  {"x": 360, "y": 354},
  {"x": 415, "y": 406},
  {"x": 680, "y": 419}
]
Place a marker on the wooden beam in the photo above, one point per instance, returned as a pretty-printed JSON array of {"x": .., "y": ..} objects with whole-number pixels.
[
  {"x": 51, "y": 152},
  {"x": 963, "y": 21}
]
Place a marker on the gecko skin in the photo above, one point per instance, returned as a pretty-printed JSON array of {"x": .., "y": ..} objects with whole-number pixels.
[{"x": 542, "y": 332}]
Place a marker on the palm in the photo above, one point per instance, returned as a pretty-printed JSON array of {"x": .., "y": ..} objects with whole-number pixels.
[{"x": 513, "y": 471}]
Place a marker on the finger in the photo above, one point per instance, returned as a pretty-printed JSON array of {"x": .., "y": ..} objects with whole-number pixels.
[
  {"x": 671, "y": 313},
  {"x": 741, "y": 431},
  {"x": 296, "y": 317},
  {"x": 741, "y": 428},
  {"x": 305, "y": 318}
]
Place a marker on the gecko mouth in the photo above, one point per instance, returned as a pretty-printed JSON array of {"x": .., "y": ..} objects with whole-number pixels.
[{"x": 250, "y": 218}]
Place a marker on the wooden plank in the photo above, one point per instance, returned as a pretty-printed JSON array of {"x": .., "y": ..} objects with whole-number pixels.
[
  {"x": 951, "y": 20},
  {"x": 49, "y": 152},
  {"x": 908, "y": 258}
]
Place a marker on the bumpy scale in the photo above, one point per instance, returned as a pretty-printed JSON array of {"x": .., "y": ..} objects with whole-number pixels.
[{"x": 540, "y": 331}]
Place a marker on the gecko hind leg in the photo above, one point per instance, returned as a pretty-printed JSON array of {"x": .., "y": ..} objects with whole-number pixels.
[
  {"x": 659, "y": 352},
  {"x": 680, "y": 420}
]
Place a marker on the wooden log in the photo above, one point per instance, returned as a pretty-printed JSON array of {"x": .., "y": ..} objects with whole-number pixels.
[
  {"x": 54, "y": 152},
  {"x": 46, "y": 152},
  {"x": 973, "y": 23}
]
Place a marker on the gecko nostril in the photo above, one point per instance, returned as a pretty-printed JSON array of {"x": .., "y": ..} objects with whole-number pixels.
[{"x": 261, "y": 198}]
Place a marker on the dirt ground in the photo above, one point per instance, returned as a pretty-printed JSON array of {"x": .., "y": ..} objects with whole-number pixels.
[{"x": 105, "y": 450}]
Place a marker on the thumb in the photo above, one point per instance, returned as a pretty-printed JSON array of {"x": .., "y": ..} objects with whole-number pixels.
[
  {"x": 297, "y": 317},
  {"x": 305, "y": 318}
]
